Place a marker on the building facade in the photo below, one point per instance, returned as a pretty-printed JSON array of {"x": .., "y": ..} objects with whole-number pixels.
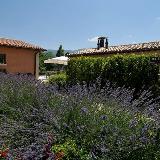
[{"x": 19, "y": 57}]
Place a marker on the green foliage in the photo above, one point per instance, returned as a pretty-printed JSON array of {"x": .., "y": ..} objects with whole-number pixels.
[
  {"x": 85, "y": 124},
  {"x": 133, "y": 71},
  {"x": 42, "y": 57},
  {"x": 58, "y": 79},
  {"x": 70, "y": 150},
  {"x": 60, "y": 51},
  {"x": 67, "y": 53},
  {"x": 105, "y": 128}
]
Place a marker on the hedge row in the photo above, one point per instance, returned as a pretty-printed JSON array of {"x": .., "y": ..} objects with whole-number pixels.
[
  {"x": 58, "y": 79},
  {"x": 132, "y": 71}
]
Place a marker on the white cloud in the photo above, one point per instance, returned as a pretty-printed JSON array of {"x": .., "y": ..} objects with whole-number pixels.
[{"x": 94, "y": 39}]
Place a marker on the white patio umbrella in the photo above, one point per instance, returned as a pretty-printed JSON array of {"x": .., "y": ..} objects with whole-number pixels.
[{"x": 58, "y": 60}]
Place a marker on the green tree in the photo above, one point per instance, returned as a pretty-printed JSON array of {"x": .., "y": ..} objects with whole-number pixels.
[
  {"x": 42, "y": 57},
  {"x": 60, "y": 51},
  {"x": 67, "y": 53}
]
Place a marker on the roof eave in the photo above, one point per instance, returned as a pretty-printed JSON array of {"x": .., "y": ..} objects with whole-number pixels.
[
  {"x": 36, "y": 49},
  {"x": 114, "y": 52}
]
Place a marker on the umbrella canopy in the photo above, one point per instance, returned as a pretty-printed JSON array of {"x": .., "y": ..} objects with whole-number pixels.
[{"x": 58, "y": 60}]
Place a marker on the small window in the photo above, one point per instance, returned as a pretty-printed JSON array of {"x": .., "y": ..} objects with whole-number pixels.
[{"x": 2, "y": 59}]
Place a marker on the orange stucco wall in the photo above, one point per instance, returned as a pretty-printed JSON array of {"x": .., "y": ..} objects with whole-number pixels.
[{"x": 19, "y": 60}]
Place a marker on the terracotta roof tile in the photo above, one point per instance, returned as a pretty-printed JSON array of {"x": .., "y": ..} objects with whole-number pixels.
[
  {"x": 19, "y": 44},
  {"x": 149, "y": 46}
]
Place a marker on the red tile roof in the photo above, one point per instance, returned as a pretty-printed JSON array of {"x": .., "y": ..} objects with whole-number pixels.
[
  {"x": 140, "y": 47},
  {"x": 19, "y": 44}
]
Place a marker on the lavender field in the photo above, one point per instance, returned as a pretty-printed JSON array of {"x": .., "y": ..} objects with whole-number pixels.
[{"x": 39, "y": 121}]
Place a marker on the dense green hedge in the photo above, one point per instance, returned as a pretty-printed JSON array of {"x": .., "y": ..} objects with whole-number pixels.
[
  {"x": 58, "y": 79},
  {"x": 132, "y": 71}
]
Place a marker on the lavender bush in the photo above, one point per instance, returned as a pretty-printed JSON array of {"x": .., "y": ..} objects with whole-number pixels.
[{"x": 38, "y": 121}]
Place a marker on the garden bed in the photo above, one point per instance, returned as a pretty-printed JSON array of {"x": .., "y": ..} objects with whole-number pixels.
[{"x": 39, "y": 121}]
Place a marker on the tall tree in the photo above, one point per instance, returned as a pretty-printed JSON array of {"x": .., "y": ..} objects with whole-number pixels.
[{"x": 60, "y": 51}]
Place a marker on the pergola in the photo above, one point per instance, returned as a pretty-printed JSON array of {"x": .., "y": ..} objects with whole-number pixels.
[{"x": 58, "y": 60}]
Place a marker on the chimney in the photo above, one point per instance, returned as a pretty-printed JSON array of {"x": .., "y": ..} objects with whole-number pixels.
[{"x": 102, "y": 42}]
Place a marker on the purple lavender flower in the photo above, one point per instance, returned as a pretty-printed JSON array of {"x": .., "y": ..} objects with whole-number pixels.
[
  {"x": 103, "y": 117},
  {"x": 144, "y": 140},
  {"x": 38, "y": 109},
  {"x": 144, "y": 130},
  {"x": 84, "y": 110},
  {"x": 65, "y": 125},
  {"x": 132, "y": 138},
  {"x": 133, "y": 123}
]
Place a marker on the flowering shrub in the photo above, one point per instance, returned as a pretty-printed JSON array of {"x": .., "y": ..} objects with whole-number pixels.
[
  {"x": 106, "y": 129},
  {"x": 4, "y": 152},
  {"x": 58, "y": 79},
  {"x": 37, "y": 121}
]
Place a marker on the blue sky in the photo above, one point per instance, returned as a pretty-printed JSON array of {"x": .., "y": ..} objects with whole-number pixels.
[{"x": 76, "y": 23}]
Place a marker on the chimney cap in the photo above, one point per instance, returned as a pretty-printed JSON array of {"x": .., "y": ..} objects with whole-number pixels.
[{"x": 102, "y": 37}]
